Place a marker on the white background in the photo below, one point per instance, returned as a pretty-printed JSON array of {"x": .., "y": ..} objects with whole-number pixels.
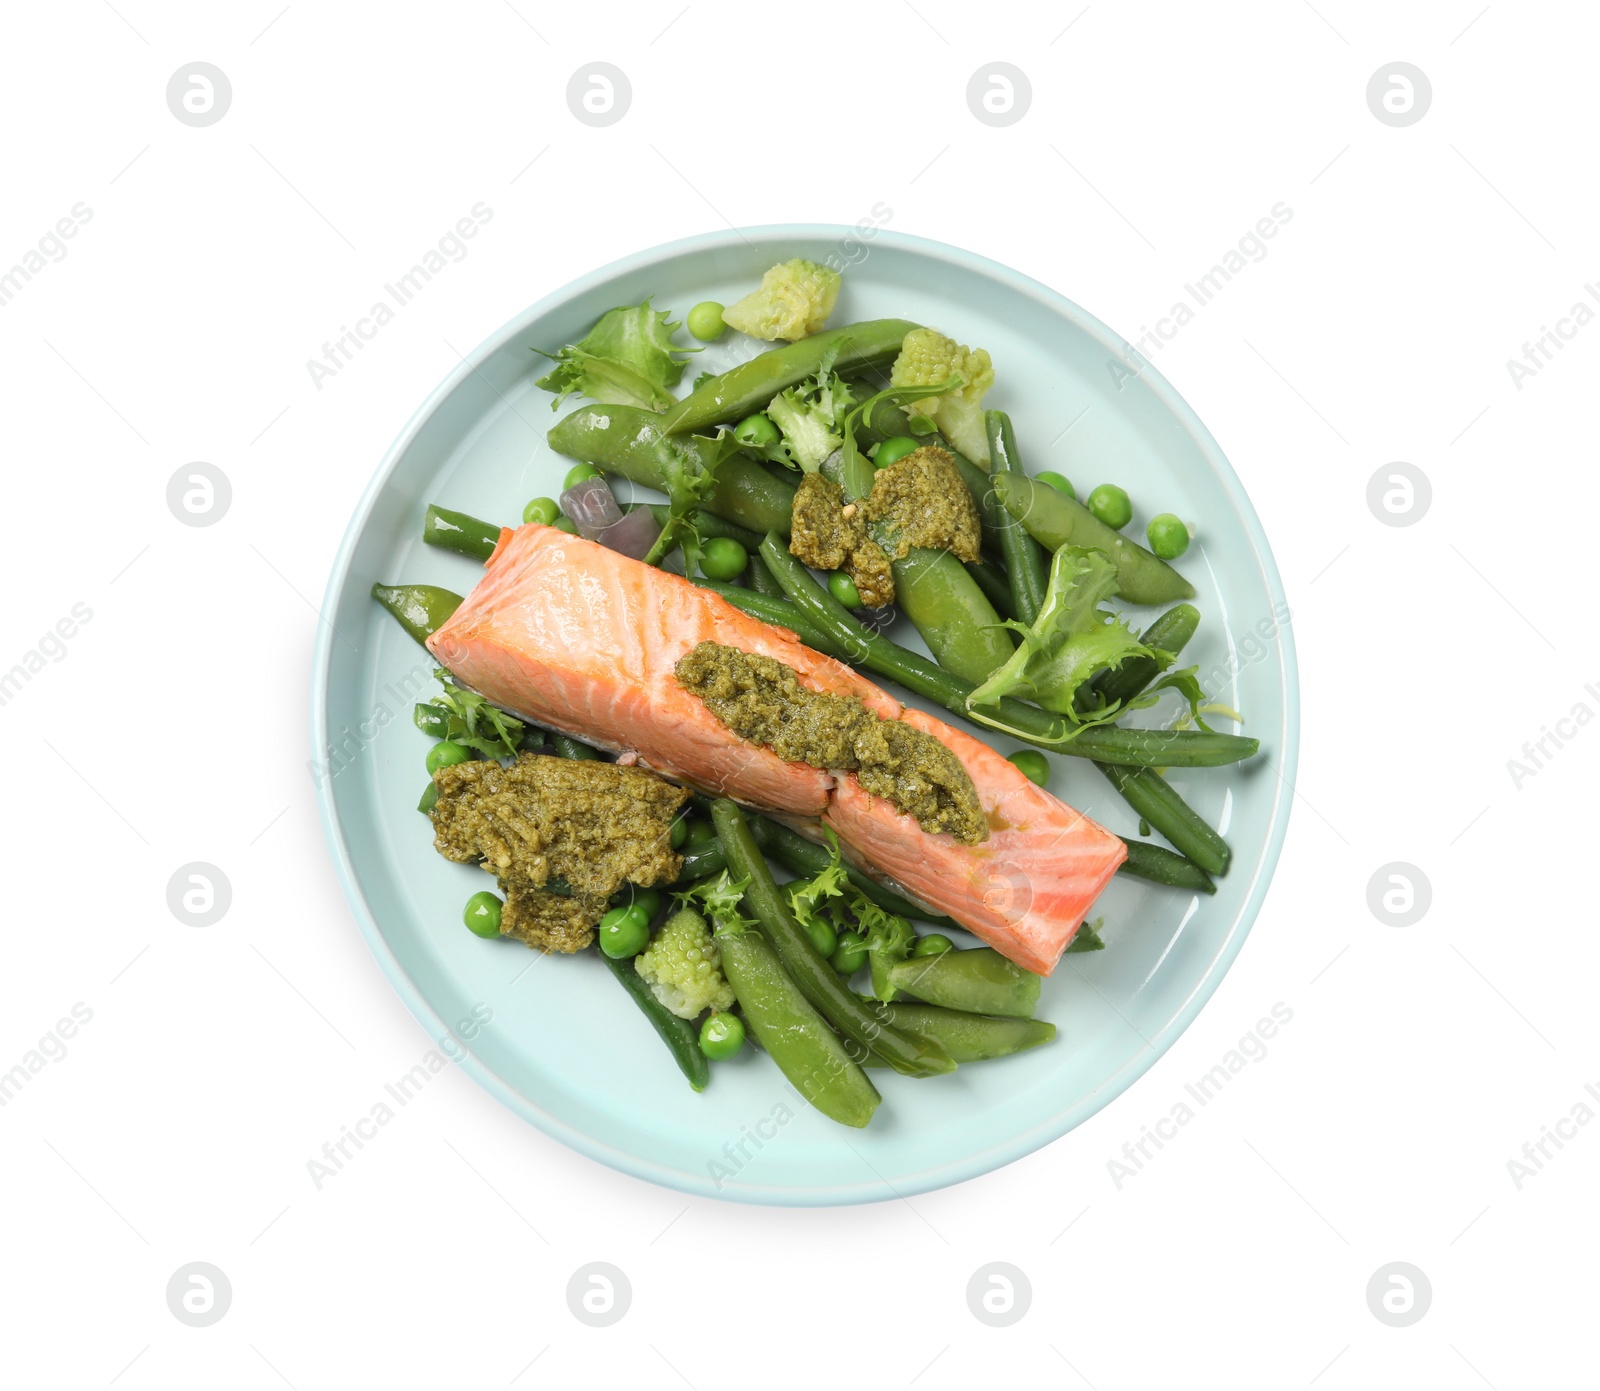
[{"x": 177, "y": 328}]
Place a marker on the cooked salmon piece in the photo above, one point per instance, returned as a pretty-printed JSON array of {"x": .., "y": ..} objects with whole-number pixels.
[{"x": 583, "y": 640}]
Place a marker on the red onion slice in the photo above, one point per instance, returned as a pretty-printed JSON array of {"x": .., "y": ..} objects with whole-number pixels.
[
  {"x": 592, "y": 507},
  {"x": 633, "y": 535}
]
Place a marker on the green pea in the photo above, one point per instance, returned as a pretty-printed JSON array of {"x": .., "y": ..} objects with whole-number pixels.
[
  {"x": 705, "y": 321},
  {"x": 482, "y": 914},
  {"x": 1169, "y": 536},
  {"x": 722, "y": 1036},
  {"x": 1058, "y": 481},
  {"x": 723, "y": 558},
  {"x": 1034, "y": 764},
  {"x": 623, "y": 932},
  {"x": 542, "y": 509},
  {"x": 894, "y": 449},
  {"x": 1110, "y": 504},
  {"x": 566, "y": 524},
  {"x": 702, "y": 835},
  {"x": 843, "y": 588},
  {"x": 823, "y": 937},
  {"x": 577, "y": 473},
  {"x": 756, "y": 431},
  {"x": 444, "y": 753},
  {"x": 932, "y": 945},
  {"x": 645, "y": 902},
  {"x": 679, "y": 833},
  {"x": 850, "y": 955}
]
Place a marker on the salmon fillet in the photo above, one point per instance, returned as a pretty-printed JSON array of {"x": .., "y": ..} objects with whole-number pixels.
[{"x": 582, "y": 640}]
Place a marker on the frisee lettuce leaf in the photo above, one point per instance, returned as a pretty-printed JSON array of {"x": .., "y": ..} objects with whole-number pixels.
[
  {"x": 473, "y": 722},
  {"x": 1071, "y": 640},
  {"x": 627, "y": 359}
]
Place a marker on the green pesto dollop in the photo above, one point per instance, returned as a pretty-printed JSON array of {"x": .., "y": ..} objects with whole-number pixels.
[
  {"x": 541, "y": 825},
  {"x": 762, "y": 700},
  {"x": 829, "y": 534}
]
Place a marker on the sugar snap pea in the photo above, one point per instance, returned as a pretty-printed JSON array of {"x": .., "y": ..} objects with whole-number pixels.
[
  {"x": 978, "y": 980},
  {"x": 421, "y": 609},
  {"x": 786, "y": 1024},
  {"x": 740, "y": 390},
  {"x": 854, "y": 1017},
  {"x": 968, "y": 1038},
  {"x": 1055, "y": 520},
  {"x": 628, "y": 441}
]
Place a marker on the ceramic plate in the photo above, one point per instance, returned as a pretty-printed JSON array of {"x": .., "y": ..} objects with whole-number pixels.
[{"x": 562, "y": 1046}]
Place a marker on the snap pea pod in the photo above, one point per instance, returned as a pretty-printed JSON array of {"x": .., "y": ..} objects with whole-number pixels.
[
  {"x": 1026, "y": 566},
  {"x": 628, "y": 441},
  {"x": 680, "y": 1036},
  {"x": 1170, "y": 633},
  {"x": 779, "y": 612},
  {"x": 806, "y": 858},
  {"x": 568, "y": 747},
  {"x": 1154, "y": 748},
  {"x": 1162, "y": 866},
  {"x": 784, "y": 1022},
  {"x": 456, "y": 531},
  {"x": 1054, "y": 520},
  {"x": 421, "y": 609},
  {"x": 751, "y": 385},
  {"x": 854, "y": 1017},
  {"x": 701, "y": 864},
  {"x": 978, "y": 980},
  {"x": 1149, "y": 794},
  {"x": 968, "y": 1038}
]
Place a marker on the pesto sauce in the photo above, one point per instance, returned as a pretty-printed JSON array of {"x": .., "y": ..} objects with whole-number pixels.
[
  {"x": 543, "y": 824},
  {"x": 762, "y": 700}
]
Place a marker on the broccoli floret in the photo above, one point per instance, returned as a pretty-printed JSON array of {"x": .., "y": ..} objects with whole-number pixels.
[
  {"x": 809, "y": 416},
  {"x": 627, "y": 359},
  {"x": 927, "y": 358},
  {"x": 794, "y": 301},
  {"x": 683, "y": 967}
]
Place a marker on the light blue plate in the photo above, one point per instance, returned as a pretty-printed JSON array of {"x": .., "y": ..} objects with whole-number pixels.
[{"x": 564, "y": 1047}]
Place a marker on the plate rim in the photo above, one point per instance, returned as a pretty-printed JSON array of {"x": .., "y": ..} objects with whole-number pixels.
[{"x": 969, "y": 1166}]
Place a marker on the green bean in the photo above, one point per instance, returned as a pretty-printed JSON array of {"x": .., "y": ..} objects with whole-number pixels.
[
  {"x": 806, "y": 858},
  {"x": 701, "y": 864},
  {"x": 1026, "y": 566},
  {"x": 778, "y": 612},
  {"x": 761, "y": 580},
  {"x": 421, "y": 609},
  {"x": 751, "y": 385},
  {"x": 978, "y": 980},
  {"x": 680, "y": 1036},
  {"x": 994, "y": 583},
  {"x": 1169, "y": 633},
  {"x": 1149, "y": 794},
  {"x": 630, "y": 442},
  {"x": 968, "y": 1038},
  {"x": 854, "y": 1017},
  {"x": 567, "y": 747},
  {"x": 456, "y": 531},
  {"x": 1107, "y": 743},
  {"x": 784, "y": 1022},
  {"x": 1055, "y": 520},
  {"x": 1162, "y": 866}
]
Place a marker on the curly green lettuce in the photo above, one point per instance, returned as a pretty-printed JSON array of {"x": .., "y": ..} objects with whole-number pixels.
[
  {"x": 471, "y": 721},
  {"x": 627, "y": 359}
]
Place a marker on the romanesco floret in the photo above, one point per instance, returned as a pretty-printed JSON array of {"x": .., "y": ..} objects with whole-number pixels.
[
  {"x": 927, "y": 358},
  {"x": 683, "y": 967},
  {"x": 794, "y": 301}
]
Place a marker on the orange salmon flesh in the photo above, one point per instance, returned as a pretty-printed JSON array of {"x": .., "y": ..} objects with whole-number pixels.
[{"x": 582, "y": 640}]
